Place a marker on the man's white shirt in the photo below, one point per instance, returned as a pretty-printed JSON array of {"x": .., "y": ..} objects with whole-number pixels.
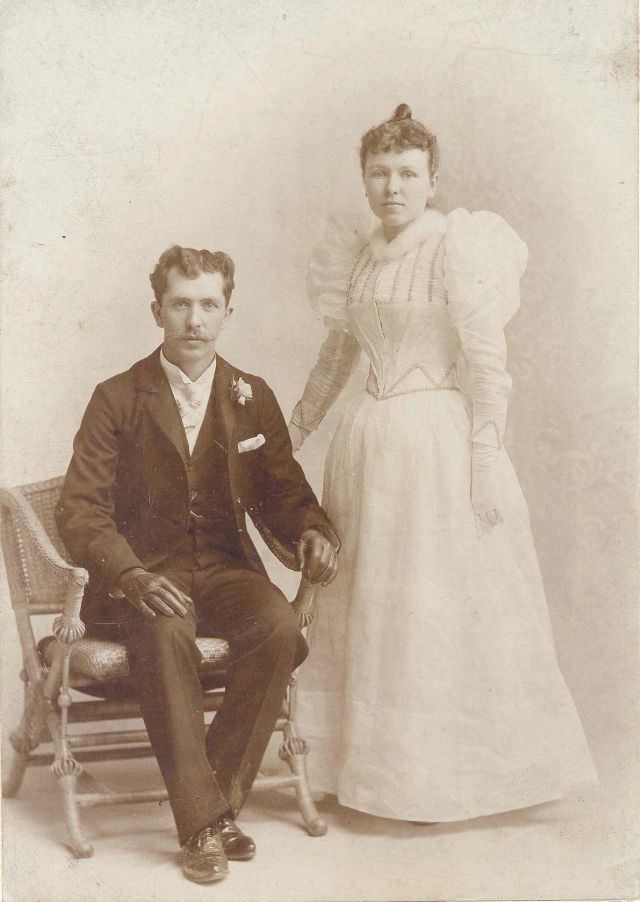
[{"x": 192, "y": 397}]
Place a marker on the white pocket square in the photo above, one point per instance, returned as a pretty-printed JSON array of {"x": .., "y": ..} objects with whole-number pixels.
[{"x": 250, "y": 444}]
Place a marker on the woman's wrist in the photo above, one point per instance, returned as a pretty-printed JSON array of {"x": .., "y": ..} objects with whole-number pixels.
[{"x": 298, "y": 434}]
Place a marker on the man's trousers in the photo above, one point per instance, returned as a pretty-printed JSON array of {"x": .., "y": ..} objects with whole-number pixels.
[{"x": 208, "y": 776}]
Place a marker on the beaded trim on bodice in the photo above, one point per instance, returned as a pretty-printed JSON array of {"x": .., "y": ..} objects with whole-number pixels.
[{"x": 367, "y": 267}]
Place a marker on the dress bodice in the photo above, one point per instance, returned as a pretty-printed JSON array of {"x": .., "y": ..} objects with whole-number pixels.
[
  {"x": 428, "y": 308},
  {"x": 397, "y": 310}
]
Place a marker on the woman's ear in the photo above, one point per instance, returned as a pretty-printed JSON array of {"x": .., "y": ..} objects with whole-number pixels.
[{"x": 434, "y": 184}]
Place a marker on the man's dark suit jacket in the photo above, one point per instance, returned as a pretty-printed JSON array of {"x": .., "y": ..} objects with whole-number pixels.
[{"x": 125, "y": 501}]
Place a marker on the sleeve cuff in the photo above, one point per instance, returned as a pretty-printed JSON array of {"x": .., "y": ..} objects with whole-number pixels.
[{"x": 487, "y": 435}]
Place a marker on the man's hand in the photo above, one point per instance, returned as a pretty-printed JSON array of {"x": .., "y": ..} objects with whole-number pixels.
[
  {"x": 150, "y": 593},
  {"x": 317, "y": 557}
]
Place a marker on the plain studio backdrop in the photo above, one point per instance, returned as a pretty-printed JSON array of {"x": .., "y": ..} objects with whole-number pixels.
[{"x": 130, "y": 126}]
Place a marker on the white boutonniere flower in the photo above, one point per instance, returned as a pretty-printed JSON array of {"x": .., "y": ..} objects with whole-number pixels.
[{"x": 241, "y": 391}]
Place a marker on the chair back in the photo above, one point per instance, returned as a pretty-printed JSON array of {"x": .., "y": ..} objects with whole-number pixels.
[{"x": 35, "y": 558}]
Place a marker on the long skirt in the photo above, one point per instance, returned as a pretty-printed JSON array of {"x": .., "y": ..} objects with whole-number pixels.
[{"x": 432, "y": 691}]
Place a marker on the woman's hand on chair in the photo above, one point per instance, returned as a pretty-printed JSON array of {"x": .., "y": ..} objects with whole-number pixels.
[{"x": 151, "y": 593}]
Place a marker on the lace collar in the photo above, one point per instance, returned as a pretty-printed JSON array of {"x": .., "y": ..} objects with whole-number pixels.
[{"x": 409, "y": 238}]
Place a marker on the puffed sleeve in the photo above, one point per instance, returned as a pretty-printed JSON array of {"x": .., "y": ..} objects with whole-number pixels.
[
  {"x": 330, "y": 269},
  {"x": 484, "y": 262}
]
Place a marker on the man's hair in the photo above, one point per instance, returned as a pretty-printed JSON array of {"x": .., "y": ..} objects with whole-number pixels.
[
  {"x": 191, "y": 264},
  {"x": 399, "y": 133}
]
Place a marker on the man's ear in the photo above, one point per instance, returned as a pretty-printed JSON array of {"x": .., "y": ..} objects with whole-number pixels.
[
  {"x": 155, "y": 309},
  {"x": 228, "y": 313}
]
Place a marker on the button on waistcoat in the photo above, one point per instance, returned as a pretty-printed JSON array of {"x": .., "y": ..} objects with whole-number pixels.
[{"x": 211, "y": 516}]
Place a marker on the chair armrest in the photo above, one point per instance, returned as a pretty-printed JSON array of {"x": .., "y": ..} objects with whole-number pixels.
[
  {"x": 68, "y": 627},
  {"x": 41, "y": 563},
  {"x": 14, "y": 500},
  {"x": 304, "y": 602}
]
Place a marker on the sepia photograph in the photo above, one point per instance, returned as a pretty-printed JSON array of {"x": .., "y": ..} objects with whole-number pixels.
[{"x": 319, "y": 463}]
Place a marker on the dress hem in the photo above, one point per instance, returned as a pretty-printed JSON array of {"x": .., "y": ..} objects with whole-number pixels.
[{"x": 434, "y": 817}]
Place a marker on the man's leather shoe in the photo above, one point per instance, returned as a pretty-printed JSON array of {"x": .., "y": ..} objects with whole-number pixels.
[
  {"x": 237, "y": 845},
  {"x": 203, "y": 858}
]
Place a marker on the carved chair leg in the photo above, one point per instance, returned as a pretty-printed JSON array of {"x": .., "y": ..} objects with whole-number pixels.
[
  {"x": 20, "y": 748},
  {"x": 80, "y": 846},
  {"x": 67, "y": 770},
  {"x": 294, "y": 751},
  {"x": 14, "y": 772},
  {"x": 26, "y": 737}
]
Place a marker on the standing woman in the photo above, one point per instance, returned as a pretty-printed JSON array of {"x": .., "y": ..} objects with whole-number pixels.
[{"x": 432, "y": 691}]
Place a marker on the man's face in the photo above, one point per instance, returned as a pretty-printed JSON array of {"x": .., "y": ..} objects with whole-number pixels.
[{"x": 192, "y": 314}]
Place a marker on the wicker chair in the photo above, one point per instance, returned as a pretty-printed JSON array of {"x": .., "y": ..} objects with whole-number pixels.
[{"x": 42, "y": 580}]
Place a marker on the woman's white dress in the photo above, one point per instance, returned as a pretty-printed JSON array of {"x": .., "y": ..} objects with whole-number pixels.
[{"x": 432, "y": 690}]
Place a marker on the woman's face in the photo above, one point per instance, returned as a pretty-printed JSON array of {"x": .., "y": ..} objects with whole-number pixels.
[{"x": 398, "y": 185}]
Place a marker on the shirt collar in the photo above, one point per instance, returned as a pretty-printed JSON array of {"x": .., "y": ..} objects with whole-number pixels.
[
  {"x": 431, "y": 221},
  {"x": 177, "y": 377}
]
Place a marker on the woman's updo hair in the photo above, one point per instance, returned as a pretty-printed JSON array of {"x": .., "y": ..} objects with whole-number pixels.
[{"x": 401, "y": 132}]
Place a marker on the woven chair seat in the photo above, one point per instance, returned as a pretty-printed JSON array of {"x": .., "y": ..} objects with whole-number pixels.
[{"x": 100, "y": 667}]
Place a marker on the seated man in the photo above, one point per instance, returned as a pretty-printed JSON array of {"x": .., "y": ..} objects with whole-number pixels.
[{"x": 169, "y": 458}]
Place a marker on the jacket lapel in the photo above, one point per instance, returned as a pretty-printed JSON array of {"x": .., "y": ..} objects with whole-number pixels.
[
  {"x": 226, "y": 418},
  {"x": 160, "y": 403},
  {"x": 224, "y": 406}
]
